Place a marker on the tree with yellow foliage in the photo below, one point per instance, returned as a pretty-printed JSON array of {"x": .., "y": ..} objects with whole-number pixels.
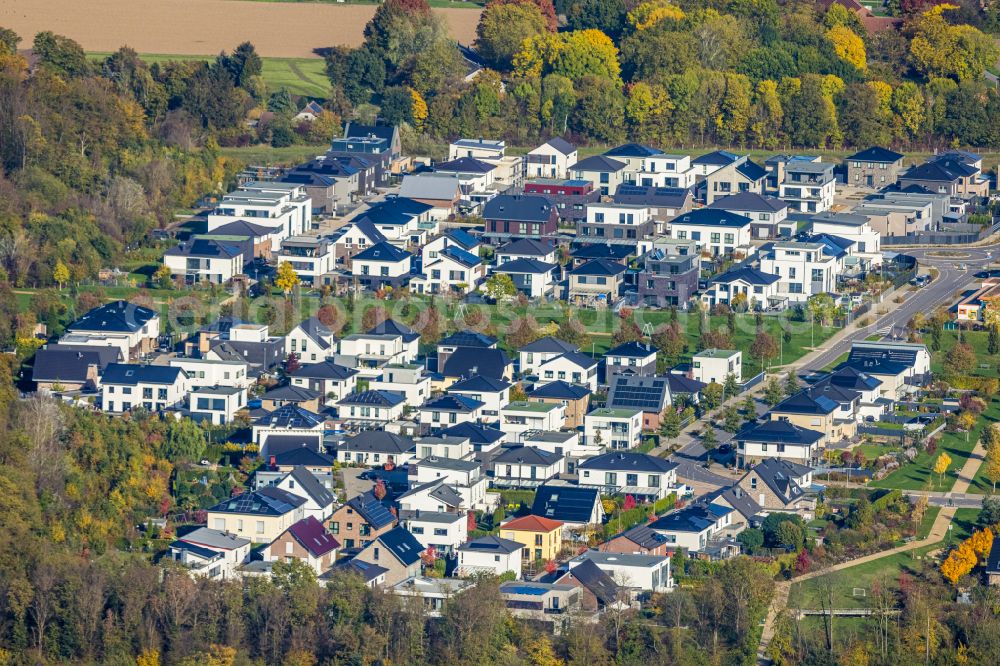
[
  {"x": 942, "y": 50},
  {"x": 848, "y": 46},
  {"x": 964, "y": 559},
  {"x": 653, "y": 12},
  {"x": 286, "y": 278},
  {"x": 941, "y": 465},
  {"x": 419, "y": 110}
]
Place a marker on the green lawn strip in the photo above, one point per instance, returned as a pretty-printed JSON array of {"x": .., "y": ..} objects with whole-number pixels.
[
  {"x": 979, "y": 341},
  {"x": 840, "y": 359},
  {"x": 266, "y": 155},
  {"x": 930, "y": 515}
]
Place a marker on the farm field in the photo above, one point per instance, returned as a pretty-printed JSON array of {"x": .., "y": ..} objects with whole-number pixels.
[
  {"x": 197, "y": 27},
  {"x": 301, "y": 76}
]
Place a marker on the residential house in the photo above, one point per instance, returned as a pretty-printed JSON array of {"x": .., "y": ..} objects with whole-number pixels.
[
  {"x": 569, "y": 197},
  {"x": 360, "y": 520},
  {"x": 480, "y": 149},
  {"x": 326, "y": 378},
  {"x": 856, "y": 228},
  {"x": 946, "y": 175},
  {"x": 213, "y": 554},
  {"x": 477, "y": 178},
  {"x": 467, "y": 362},
  {"x": 490, "y": 555},
  {"x": 745, "y": 509},
  {"x": 873, "y": 168},
  {"x": 493, "y": 393},
  {"x": 808, "y": 187},
  {"x": 441, "y": 191},
  {"x": 208, "y": 372},
  {"x": 541, "y": 537},
  {"x": 819, "y": 410},
  {"x": 621, "y": 253},
  {"x": 376, "y": 144},
  {"x": 290, "y": 419},
  {"x": 411, "y": 381},
  {"x": 256, "y": 241},
  {"x": 574, "y": 506},
  {"x": 636, "y": 158},
  {"x": 717, "y": 232},
  {"x": 291, "y": 395},
  {"x": 359, "y": 235},
  {"x": 205, "y": 260},
  {"x": 375, "y": 448},
  {"x": 534, "y": 354},
  {"x": 716, "y": 365},
  {"x": 640, "y": 540},
  {"x": 510, "y": 216},
  {"x": 780, "y": 485},
  {"x": 284, "y": 453},
  {"x": 516, "y": 418},
  {"x": 698, "y": 528},
  {"x": 311, "y": 340},
  {"x": 371, "y": 575},
  {"x": 768, "y": 215},
  {"x": 804, "y": 269},
  {"x": 441, "y": 531},
  {"x": 613, "y": 428},
  {"x": 125, "y": 387},
  {"x": 615, "y": 223},
  {"x": 436, "y": 495},
  {"x": 668, "y": 277},
  {"x": 664, "y": 171},
  {"x": 630, "y": 358},
  {"x": 447, "y": 410},
  {"x": 533, "y": 278},
  {"x": 900, "y": 366},
  {"x": 331, "y": 182},
  {"x": 598, "y": 281},
  {"x": 313, "y": 259},
  {"x": 431, "y": 594},
  {"x": 306, "y": 541},
  {"x": 738, "y": 176},
  {"x": 572, "y": 367},
  {"x": 443, "y": 446},
  {"x": 561, "y": 442},
  {"x": 626, "y": 473},
  {"x": 401, "y": 220},
  {"x": 463, "y": 340},
  {"x": 598, "y": 590},
  {"x": 525, "y": 467},
  {"x": 664, "y": 203},
  {"x": 552, "y": 159},
  {"x": 872, "y": 403},
  {"x": 456, "y": 238},
  {"x": 59, "y": 368},
  {"x": 319, "y": 499},
  {"x": 527, "y": 248},
  {"x": 398, "y": 551},
  {"x": 540, "y": 601},
  {"x": 778, "y": 439},
  {"x": 388, "y": 343},
  {"x": 133, "y": 329},
  {"x": 283, "y": 206},
  {"x": 605, "y": 173},
  {"x": 760, "y": 289},
  {"x": 713, "y": 161},
  {"x": 381, "y": 266},
  {"x": 644, "y": 573},
  {"x": 251, "y": 344},
  {"x": 574, "y": 398},
  {"x": 454, "y": 271},
  {"x": 481, "y": 437},
  {"x": 216, "y": 404},
  {"x": 650, "y": 394},
  {"x": 259, "y": 515}
]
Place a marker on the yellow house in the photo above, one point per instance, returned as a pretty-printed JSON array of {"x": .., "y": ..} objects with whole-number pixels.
[{"x": 541, "y": 537}]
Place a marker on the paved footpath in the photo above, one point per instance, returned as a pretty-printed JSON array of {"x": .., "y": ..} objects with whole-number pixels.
[{"x": 937, "y": 533}]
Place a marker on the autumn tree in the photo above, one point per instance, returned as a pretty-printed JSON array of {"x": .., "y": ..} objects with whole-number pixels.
[
  {"x": 286, "y": 279},
  {"x": 502, "y": 29},
  {"x": 763, "y": 348},
  {"x": 500, "y": 286},
  {"x": 522, "y": 331},
  {"x": 572, "y": 331},
  {"x": 627, "y": 331},
  {"x": 960, "y": 359},
  {"x": 373, "y": 316},
  {"x": 941, "y": 465},
  {"x": 60, "y": 274}
]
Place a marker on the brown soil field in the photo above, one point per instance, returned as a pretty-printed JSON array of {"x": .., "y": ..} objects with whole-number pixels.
[{"x": 205, "y": 27}]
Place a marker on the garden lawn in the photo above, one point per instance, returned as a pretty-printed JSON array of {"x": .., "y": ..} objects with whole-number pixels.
[
  {"x": 978, "y": 340},
  {"x": 919, "y": 474}
]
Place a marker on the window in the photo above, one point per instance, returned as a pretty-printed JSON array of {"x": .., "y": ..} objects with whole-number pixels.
[
  {"x": 753, "y": 482},
  {"x": 375, "y": 553},
  {"x": 538, "y": 539},
  {"x": 610, "y": 479},
  {"x": 416, "y": 530},
  {"x": 260, "y": 527},
  {"x": 440, "y": 531}
]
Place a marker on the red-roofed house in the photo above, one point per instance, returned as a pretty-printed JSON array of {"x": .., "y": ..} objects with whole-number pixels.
[
  {"x": 307, "y": 541},
  {"x": 541, "y": 537}
]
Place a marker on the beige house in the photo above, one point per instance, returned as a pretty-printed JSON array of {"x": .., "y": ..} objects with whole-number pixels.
[
  {"x": 398, "y": 552},
  {"x": 306, "y": 541},
  {"x": 261, "y": 515},
  {"x": 596, "y": 281},
  {"x": 780, "y": 486}
]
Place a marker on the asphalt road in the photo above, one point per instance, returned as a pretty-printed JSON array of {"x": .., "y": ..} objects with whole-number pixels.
[{"x": 692, "y": 455}]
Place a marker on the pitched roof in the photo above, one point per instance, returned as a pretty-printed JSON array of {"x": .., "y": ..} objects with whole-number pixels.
[
  {"x": 576, "y": 358},
  {"x": 751, "y": 170},
  {"x": 316, "y": 330},
  {"x": 532, "y": 524},
  {"x": 393, "y": 327},
  {"x": 477, "y": 433},
  {"x": 624, "y": 460},
  {"x": 644, "y": 537},
  {"x": 695, "y": 518},
  {"x": 290, "y": 393},
  {"x": 371, "y": 510},
  {"x": 64, "y": 365},
  {"x": 431, "y": 186},
  {"x": 468, "y": 339},
  {"x": 603, "y": 251},
  {"x": 561, "y": 144},
  {"x": 527, "y": 455},
  {"x": 480, "y": 384},
  {"x": 244, "y": 228},
  {"x": 278, "y": 444},
  {"x": 712, "y": 217},
  {"x": 598, "y": 582},
  {"x": 737, "y": 498},
  {"x": 438, "y": 489},
  {"x": 560, "y": 389},
  {"x": 376, "y": 397},
  {"x": 527, "y": 247},
  {"x": 600, "y": 267},
  {"x": 491, "y": 544},
  {"x": 779, "y": 432},
  {"x": 632, "y": 350},
  {"x": 395, "y": 210},
  {"x": 403, "y": 545},
  {"x": 312, "y": 486},
  {"x": 382, "y": 252},
  {"x": 524, "y": 265},
  {"x": 518, "y": 207},
  {"x": 550, "y": 345},
  {"x": 290, "y": 416},
  {"x": 298, "y": 456},
  {"x": 312, "y": 536},
  {"x": 751, "y": 276},
  {"x": 378, "y": 441},
  {"x": 267, "y": 501},
  {"x": 217, "y": 539},
  {"x": 323, "y": 370},
  {"x": 749, "y": 201},
  {"x": 469, "y": 361},
  {"x": 131, "y": 374},
  {"x": 462, "y": 238},
  {"x": 598, "y": 163},
  {"x": 204, "y": 247},
  {"x": 633, "y": 150},
  {"x": 368, "y": 571},
  {"x": 368, "y": 228},
  {"x": 805, "y": 402},
  {"x": 571, "y": 504},
  {"x": 682, "y": 384},
  {"x": 650, "y": 394},
  {"x": 779, "y": 477},
  {"x": 941, "y": 170},
  {"x": 716, "y": 158},
  {"x": 668, "y": 197},
  {"x": 875, "y": 154},
  {"x": 465, "y": 165},
  {"x": 452, "y": 403},
  {"x": 114, "y": 317}
]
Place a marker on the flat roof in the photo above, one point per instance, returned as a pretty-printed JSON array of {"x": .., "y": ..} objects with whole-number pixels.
[
  {"x": 716, "y": 353},
  {"x": 616, "y": 412},
  {"x": 530, "y": 406}
]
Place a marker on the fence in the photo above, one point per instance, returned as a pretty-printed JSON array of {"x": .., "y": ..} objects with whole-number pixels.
[
  {"x": 941, "y": 237},
  {"x": 753, "y": 381}
]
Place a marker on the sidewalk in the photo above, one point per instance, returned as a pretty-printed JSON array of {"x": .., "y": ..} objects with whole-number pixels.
[{"x": 937, "y": 534}]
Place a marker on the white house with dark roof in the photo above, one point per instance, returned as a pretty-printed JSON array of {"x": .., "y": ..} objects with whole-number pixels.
[
  {"x": 357, "y": 236},
  {"x": 387, "y": 343},
  {"x": 713, "y": 161},
  {"x": 573, "y": 367},
  {"x": 441, "y": 530},
  {"x": 205, "y": 260},
  {"x": 778, "y": 439},
  {"x": 808, "y": 186},
  {"x": 213, "y": 554},
  {"x": 768, "y": 215},
  {"x": 311, "y": 340},
  {"x": 803, "y": 269},
  {"x": 216, "y": 404},
  {"x": 326, "y": 378},
  {"x": 760, "y": 288},
  {"x": 533, "y": 278},
  {"x": 695, "y": 528},
  {"x": 448, "y": 410},
  {"x": 741, "y": 175},
  {"x": 454, "y": 271},
  {"x": 605, "y": 173},
  {"x": 628, "y": 473},
  {"x": 490, "y": 555},
  {"x": 596, "y": 282},
  {"x": 552, "y": 159},
  {"x": 213, "y": 372},
  {"x": 283, "y": 205},
  {"x": 319, "y": 499},
  {"x": 374, "y": 448},
  {"x": 132, "y": 328},
  {"x": 380, "y": 266},
  {"x": 534, "y": 354},
  {"x": 371, "y": 407},
  {"x": 614, "y": 428},
  {"x": 492, "y": 392},
  {"x": 526, "y": 467},
  {"x": 715, "y": 231},
  {"x": 290, "y": 419},
  {"x": 452, "y": 238},
  {"x": 527, "y": 248},
  {"x": 411, "y": 380},
  {"x": 630, "y": 358},
  {"x": 641, "y": 573},
  {"x": 125, "y": 387}
]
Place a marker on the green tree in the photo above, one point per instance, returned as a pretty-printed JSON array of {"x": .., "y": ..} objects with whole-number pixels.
[
  {"x": 772, "y": 392},
  {"x": 709, "y": 439},
  {"x": 731, "y": 419},
  {"x": 731, "y": 387},
  {"x": 712, "y": 395},
  {"x": 993, "y": 343},
  {"x": 502, "y": 30},
  {"x": 60, "y": 55},
  {"x": 500, "y": 287},
  {"x": 185, "y": 440},
  {"x": 791, "y": 383},
  {"x": 397, "y": 105},
  {"x": 751, "y": 539},
  {"x": 600, "y": 109},
  {"x": 60, "y": 274},
  {"x": 670, "y": 426},
  {"x": 571, "y": 330},
  {"x": 748, "y": 407},
  {"x": 280, "y": 102},
  {"x": 861, "y": 118},
  {"x": 8, "y": 41}
]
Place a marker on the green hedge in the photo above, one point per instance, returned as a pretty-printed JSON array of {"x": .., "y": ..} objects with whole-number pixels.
[{"x": 625, "y": 520}]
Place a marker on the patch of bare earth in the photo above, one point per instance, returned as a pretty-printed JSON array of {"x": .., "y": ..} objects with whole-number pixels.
[{"x": 205, "y": 27}]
